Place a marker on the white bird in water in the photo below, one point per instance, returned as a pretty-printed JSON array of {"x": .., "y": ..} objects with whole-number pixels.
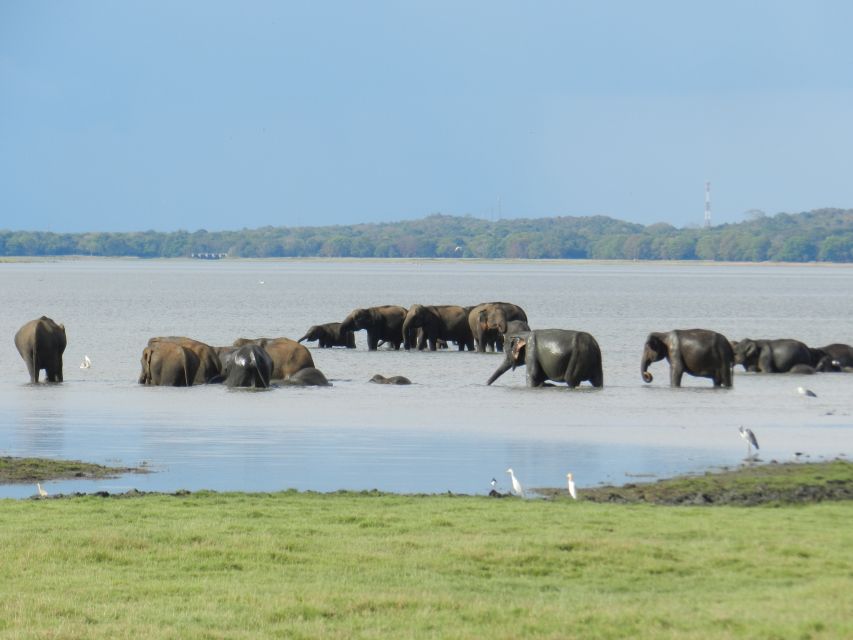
[
  {"x": 572, "y": 491},
  {"x": 751, "y": 440},
  {"x": 86, "y": 363},
  {"x": 517, "y": 489},
  {"x": 42, "y": 492},
  {"x": 806, "y": 392}
]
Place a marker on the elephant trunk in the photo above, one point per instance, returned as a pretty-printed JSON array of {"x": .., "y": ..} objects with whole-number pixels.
[
  {"x": 648, "y": 358},
  {"x": 408, "y": 343},
  {"x": 305, "y": 337},
  {"x": 502, "y": 369}
]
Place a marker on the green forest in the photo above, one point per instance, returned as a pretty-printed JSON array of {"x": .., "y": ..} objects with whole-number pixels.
[{"x": 824, "y": 235}]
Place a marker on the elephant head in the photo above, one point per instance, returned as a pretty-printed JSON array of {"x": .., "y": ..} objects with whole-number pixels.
[
  {"x": 493, "y": 319},
  {"x": 417, "y": 316},
  {"x": 357, "y": 320},
  {"x": 746, "y": 353},
  {"x": 655, "y": 349},
  {"x": 515, "y": 355}
]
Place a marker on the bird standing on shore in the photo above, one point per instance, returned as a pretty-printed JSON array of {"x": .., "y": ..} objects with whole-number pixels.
[
  {"x": 517, "y": 489},
  {"x": 751, "y": 440},
  {"x": 571, "y": 481},
  {"x": 42, "y": 492}
]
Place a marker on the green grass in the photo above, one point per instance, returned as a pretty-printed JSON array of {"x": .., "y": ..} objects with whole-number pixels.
[
  {"x": 19, "y": 470},
  {"x": 301, "y": 565}
]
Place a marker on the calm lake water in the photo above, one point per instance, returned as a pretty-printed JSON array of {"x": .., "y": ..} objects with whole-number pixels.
[{"x": 448, "y": 431}]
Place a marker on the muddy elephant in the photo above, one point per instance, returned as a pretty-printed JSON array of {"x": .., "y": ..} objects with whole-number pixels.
[
  {"x": 41, "y": 343},
  {"x": 383, "y": 323},
  {"x": 488, "y": 323},
  {"x": 308, "y": 377},
  {"x": 773, "y": 356},
  {"x": 560, "y": 355},
  {"x": 836, "y": 357},
  {"x": 168, "y": 364},
  {"x": 249, "y": 366},
  {"x": 329, "y": 335},
  {"x": 699, "y": 352},
  {"x": 208, "y": 359},
  {"x": 288, "y": 356},
  {"x": 437, "y": 324}
]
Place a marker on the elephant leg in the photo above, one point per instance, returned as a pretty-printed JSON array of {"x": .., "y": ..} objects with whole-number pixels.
[
  {"x": 32, "y": 368},
  {"x": 372, "y": 341},
  {"x": 676, "y": 371}
]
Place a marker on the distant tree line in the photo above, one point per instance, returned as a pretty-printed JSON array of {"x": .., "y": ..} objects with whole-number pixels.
[{"x": 824, "y": 235}]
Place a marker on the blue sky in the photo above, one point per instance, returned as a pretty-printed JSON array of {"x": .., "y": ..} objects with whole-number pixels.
[{"x": 121, "y": 116}]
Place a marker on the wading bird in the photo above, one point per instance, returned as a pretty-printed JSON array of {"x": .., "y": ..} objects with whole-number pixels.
[
  {"x": 86, "y": 363},
  {"x": 751, "y": 440},
  {"x": 494, "y": 483},
  {"x": 806, "y": 392},
  {"x": 517, "y": 489},
  {"x": 572, "y": 491},
  {"x": 42, "y": 492}
]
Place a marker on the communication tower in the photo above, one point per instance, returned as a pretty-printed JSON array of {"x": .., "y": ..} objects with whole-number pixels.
[{"x": 707, "y": 205}]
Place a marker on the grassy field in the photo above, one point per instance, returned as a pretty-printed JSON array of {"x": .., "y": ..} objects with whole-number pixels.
[{"x": 301, "y": 565}]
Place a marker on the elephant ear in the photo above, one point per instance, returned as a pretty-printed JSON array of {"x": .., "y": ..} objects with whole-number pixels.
[{"x": 518, "y": 345}]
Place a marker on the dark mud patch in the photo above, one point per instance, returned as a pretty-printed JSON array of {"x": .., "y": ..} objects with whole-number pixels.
[
  {"x": 790, "y": 483},
  {"x": 24, "y": 470}
]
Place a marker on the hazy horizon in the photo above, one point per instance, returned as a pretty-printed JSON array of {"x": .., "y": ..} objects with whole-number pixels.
[{"x": 219, "y": 116}]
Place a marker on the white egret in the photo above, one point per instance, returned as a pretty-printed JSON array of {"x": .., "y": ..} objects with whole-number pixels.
[
  {"x": 42, "y": 492},
  {"x": 572, "y": 491},
  {"x": 806, "y": 392},
  {"x": 517, "y": 489},
  {"x": 751, "y": 440},
  {"x": 86, "y": 363},
  {"x": 494, "y": 483}
]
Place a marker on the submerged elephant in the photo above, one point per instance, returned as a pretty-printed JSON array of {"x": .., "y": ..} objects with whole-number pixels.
[
  {"x": 381, "y": 323},
  {"x": 41, "y": 343},
  {"x": 560, "y": 355},
  {"x": 329, "y": 335},
  {"x": 698, "y": 352},
  {"x": 248, "y": 366},
  {"x": 308, "y": 377},
  {"x": 380, "y": 379},
  {"x": 773, "y": 356},
  {"x": 437, "y": 324},
  {"x": 168, "y": 364},
  {"x": 288, "y": 356},
  {"x": 488, "y": 322},
  {"x": 208, "y": 359},
  {"x": 836, "y": 357}
]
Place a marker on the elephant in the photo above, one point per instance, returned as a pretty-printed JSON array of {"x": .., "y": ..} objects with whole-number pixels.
[
  {"x": 488, "y": 322},
  {"x": 837, "y": 357},
  {"x": 248, "y": 366},
  {"x": 288, "y": 356},
  {"x": 41, "y": 343},
  {"x": 773, "y": 356},
  {"x": 308, "y": 377},
  {"x": 380, "y": 379},
  {"x": 803, "y": 369},
  {"x": 560, "y": 355},
  {"x": 437, "y": 324},
  {"x": 382, "y": 323},
  {"x": 168, "y": 364},
  {"x": 700, "y": 352},
  {"x": 208, "y": 359},
  {"x": 329, "y": 335}
]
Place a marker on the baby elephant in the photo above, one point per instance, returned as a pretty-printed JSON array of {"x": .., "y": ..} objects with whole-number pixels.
[
  {"x": 699, "y": 352},
  {"x": 560, "y": 355},
  {"x": 307, "y": 377},
  {"x": 248, "y": 366},
  {"x": 329, "y": 335},
  {"x": 380, "y": 379}
]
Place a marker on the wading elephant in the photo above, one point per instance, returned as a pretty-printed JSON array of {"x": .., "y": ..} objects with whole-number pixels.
[
  {"x": 208, "y": 359},
  {"x": 560, "y": 355},
  {"x": 168, "y": 364},
  {"x": 381, "y": 323},
  {"x": 837, "y": 357},
  {"x": 308, "y": 377},
  {"x": 773, "y": 356},
  {"x": 488, "y": 322},
  {"x": 288, "y": 356},
  {"x": 329, "y": 335},
  {"x": 380, "y": 379},
  {"x": 437, "y": 323},
  {"x": 248, "y": 366},
  {"x": 698, "y": 352},
  {"x": 41, "y": 343}
]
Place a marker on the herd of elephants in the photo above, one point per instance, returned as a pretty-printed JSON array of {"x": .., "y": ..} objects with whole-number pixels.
[{"x": 557, "y": 355}]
